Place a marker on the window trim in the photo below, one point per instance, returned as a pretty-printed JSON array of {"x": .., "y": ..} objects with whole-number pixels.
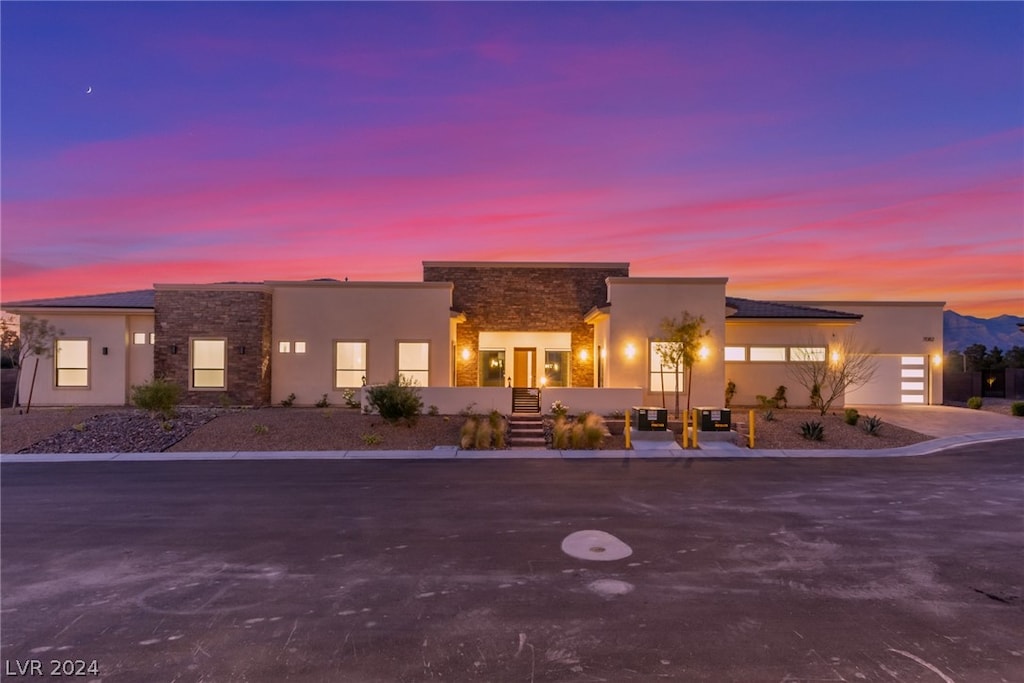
[
  {"x": 192, "y": 367},
  {"x": 364, "y": 371},
  {"x": 57, "y": 368}
]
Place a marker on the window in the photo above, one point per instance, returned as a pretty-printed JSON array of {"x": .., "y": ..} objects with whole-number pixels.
[
  {"x": 767, "y": 353},
  {"x": 414, "y": 362},
  {"x": 556, "y": 368},
  {"x": 663, "y": 376},
  {"x": 492, "y": 368},
  {"x": 139, "y": 338},
  {"x": 735, "y": 353},
  {"x": 152, "y": 337},
  {"x": 349, "y": 364},
  {"x": 300, "y": 347},
  {"x": 284, "y": 347},
  {"x": 72, "y": 362},
  {"x": 807, "y": 353},
  {"x": 208, "y": 363}
]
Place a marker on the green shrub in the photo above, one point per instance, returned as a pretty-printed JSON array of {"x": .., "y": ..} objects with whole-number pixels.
[
  {"x": 157, "y": 396},
  {"x": 767, "y": 403},
  {"x": 851, "y": 416},
  {"x": 371, "y": 439},
  {"x": 812, "y": 431},
  {"x": 974, "y": 403},
  {"x": 872, "y": 425},
  {"x": 780, "y": 396},
  {"x": 260, "y": 429},
  {"x": 1017, "y": 409},
  {"x": 559, "y": 409},
  {"x": 289, "y": 402},
  {"x": 730, "y": 392},
  {"x": 433, "y": 411},
  {"x": 323, "y": 402},
  {"x": 769, "y": 416},
  {"x": 396, "y": 400}
]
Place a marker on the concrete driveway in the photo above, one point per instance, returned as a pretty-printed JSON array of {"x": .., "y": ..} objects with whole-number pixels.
[{"x": 940, "y": 421}]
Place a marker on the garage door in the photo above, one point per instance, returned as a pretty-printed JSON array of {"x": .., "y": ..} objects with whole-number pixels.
[{"x": 897, "y": 380}]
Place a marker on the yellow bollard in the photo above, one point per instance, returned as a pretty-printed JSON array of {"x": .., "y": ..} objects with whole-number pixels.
[
  {"x": 686, "y": 430},
  {"x": 696, "y": 421},
  {"x": 751, "y": 435},
  {"x": 627, "y": 430}
]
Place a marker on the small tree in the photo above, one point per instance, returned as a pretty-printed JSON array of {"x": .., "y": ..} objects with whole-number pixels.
[
  {"x": 844, "y": 365},
  {"x": 9, "y": 342},
  {"x": 36, "y": 338},
  {"x": 679, "y": 349}
]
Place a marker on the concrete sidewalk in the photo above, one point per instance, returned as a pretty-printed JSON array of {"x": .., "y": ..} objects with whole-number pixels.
[{"x": 706, "y": 450}]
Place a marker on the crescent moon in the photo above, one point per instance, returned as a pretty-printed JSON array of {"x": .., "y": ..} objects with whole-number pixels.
[{"x": 88, "y": 90}]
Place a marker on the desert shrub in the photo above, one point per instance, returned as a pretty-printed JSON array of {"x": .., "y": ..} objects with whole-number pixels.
[
  {"x": 433, "y": 410},
  {"x": 872, "y": 425},
  {"x": 974, "y": 403},
  {"x": 288, "y": 402},
  {"x": 371, "y": 439},
  {"x": 766, "y": 403},
  {"x": 588, "y": 431},
  {"x": 499, "y": 427},
  {"x": 467, "y": 435},
  {"x": 769, "y": 416},
  {"x": 559, "y": 409},
  {"x": 1017, "y": 409},
  {"x": 323, "y": 402},
  {"x": 780, "y": 396},
  {"x": 396, "y": 400},
  {"x": 80, "y": 427},
  {"x": 561, "y": 433},
  {"x": 730, "y": 392},
  {"x": 468, "y": 411},
  {"x": 350, "y": 398},
  {"x": 260, "y": 429},
  {"x": 812, "y": 431},
  {"x": 851, "y": 416},
  {"x": 157, "y": 396},
  {"x": 482, "y": 438}
]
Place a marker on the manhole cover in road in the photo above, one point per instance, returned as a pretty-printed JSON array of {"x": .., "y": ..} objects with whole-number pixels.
[{"x": 591, "y": 544}]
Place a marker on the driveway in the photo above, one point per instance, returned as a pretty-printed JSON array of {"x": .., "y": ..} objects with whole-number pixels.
[
  {"x": 738, "y": 570},
  {"x": 940, "y": 421}
]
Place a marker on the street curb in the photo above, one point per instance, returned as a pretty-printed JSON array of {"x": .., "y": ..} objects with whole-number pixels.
[{"x": 452, "y": 453}]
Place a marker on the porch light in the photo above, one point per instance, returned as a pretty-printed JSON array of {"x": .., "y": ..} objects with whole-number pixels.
[
  {"x": 630, "y": 351},
  {"x": 835, "y": 356},
  {"x": 465, "y": 353},
  {"x": 703, "y": 353},
  {"x": 584, "y": 355},
  {"x": 936, "y": 360},
  {"x": 543, "y": 381}
]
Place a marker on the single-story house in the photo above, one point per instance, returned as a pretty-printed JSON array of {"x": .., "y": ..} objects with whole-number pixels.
[{"x": 469, "y": 334}]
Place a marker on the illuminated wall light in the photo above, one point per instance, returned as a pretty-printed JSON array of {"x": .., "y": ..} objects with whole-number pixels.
[
  {"x": 936, "y": 360},
  {"x": 465, "y": 354},
  {"x": 630, "y": 351},
  {"x": 704, "y": 352},
  {"x": 604, "y": 353},
  {"x": 543, "y": 381},
  {"x": 835, "y": 356},
  {"x": 584, "y": 355}
]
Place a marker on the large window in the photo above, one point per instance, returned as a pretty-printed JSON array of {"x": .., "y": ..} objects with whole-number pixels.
[
  {"x": 556, "y": 368},
  {"x": 414, "y": 362},
  {"x": 761, "y": 354},
  {"x": 663, "y": 375},
  {"x": 72, "y": 357},
  {"x": 349, "y": 364},
  {"x": 807, "y": 353},
  {"x": 208, "y": 363},
  {"x": 735, "y": 353},
  {"x": 492, "y": 368}
]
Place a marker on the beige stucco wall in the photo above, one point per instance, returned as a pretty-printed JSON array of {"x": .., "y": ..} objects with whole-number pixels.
[
  {"x": 379, "y": 313},
  {"x": 110, "y": 375},
  {"x": 638, "y": 305}
]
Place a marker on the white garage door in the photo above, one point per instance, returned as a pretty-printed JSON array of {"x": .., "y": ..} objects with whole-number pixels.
[{"x": 897, "y": 379}]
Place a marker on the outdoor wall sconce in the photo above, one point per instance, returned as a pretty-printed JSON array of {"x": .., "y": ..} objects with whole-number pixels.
[
  {"x": 465, "y": 353},
  {"x": 241, "y": 350},
  {"x": 704, "y": 353},
  {"x": 584, "y": 355},
  {"x": 630, "y": 351},
  {"x": 105, "y": 351},
  {"x": 174, "y": 348}
]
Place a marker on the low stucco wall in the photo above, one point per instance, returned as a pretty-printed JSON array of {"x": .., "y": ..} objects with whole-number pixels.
[{"x": 453, "y": 400}]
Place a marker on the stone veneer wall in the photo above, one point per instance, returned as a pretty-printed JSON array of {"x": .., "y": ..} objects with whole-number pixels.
[
  {"x": 533, "y": 298},
  {"x": 242, "y": 317}
]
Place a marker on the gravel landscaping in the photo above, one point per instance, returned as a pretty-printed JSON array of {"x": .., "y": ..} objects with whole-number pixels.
[{"x": 100, "y": 430}]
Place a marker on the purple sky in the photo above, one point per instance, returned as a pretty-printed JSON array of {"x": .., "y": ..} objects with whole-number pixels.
[{"x": 806, "y": 151}]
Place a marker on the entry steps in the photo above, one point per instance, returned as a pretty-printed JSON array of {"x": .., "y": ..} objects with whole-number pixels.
[
  {"x": 525, "y": 400},
  {"x": 527, "y": 430}
]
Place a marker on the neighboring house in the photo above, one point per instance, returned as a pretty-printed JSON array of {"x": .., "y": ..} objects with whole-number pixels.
[{"x": 582, "y": 333}]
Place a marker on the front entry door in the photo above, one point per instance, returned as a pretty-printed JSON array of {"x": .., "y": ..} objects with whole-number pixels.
[{"x": 523, "y": 363}]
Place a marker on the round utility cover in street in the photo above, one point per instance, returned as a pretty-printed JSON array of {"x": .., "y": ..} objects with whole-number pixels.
[{"x": 591, "y": 544}]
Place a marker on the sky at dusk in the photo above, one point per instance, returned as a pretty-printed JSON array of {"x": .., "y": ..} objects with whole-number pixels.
[{"x": 805, "y": 151}]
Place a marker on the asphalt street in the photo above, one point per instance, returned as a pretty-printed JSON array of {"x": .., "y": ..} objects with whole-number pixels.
[{"x": 881, "y": 569}]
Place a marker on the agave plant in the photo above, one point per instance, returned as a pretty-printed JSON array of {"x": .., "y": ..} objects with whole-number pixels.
[
  {"x": 812, "y": 431},
  {"x": 872, "y": 425}
]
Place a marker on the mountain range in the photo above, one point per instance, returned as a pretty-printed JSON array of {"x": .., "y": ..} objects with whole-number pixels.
[{"x": 960, "y": 331}]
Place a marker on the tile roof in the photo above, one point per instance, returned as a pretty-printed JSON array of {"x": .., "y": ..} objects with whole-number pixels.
[
  {"x": 139, "y": 298},
  {"x": 748, "y": 308}
]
